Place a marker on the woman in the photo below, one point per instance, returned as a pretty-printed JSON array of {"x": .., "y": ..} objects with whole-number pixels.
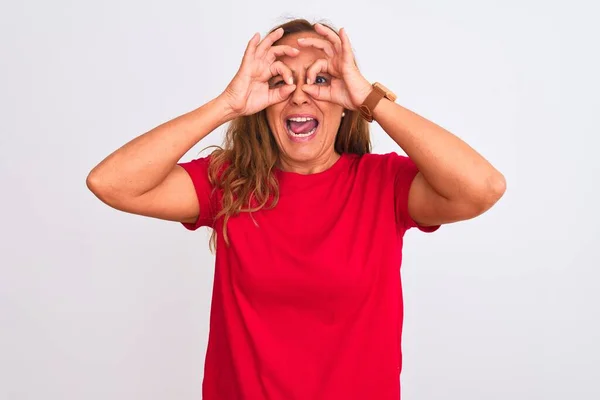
[{"x": 308, "y": 225}]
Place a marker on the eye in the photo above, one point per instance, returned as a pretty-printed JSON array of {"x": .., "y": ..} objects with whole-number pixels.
[
  {"x": 320, "y": 80},
  {"x": 277, "y": 82}
]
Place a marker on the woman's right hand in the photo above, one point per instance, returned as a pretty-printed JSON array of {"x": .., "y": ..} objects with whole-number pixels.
[{"x": 249, "y": 91}]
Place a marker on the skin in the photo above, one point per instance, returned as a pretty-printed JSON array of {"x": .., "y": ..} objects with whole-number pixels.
[
  {"x": 455, "y": 182},
  {"x": 142, "y": 177},
  {"x": 316, "y": 154}
]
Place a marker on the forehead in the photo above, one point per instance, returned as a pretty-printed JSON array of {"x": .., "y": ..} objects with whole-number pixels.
[{"x": 307, "y": 55}]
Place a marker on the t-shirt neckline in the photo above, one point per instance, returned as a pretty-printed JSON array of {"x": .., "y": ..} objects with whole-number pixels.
[{"x": 294, "y": 179}]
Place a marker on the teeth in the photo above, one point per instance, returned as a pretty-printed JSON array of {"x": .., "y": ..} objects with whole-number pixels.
[
  {"x": 301, "y": 119},
  {"x": 302, "y": 134}
]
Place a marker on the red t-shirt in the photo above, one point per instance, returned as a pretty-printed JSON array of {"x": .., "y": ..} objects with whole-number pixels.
[{"x": 307, "y": 300}]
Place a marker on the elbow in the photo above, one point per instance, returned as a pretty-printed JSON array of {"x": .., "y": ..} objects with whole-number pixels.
[
  {"x": 488, "y": 194},
  {"x": 492, "y": 191},
  {"x": 101, "y": 188},
  {"x": 91, "y": 181},
  {"x": 495, "y": 188},
  {"x": 95, "y": 183},
  {"x": 498, "y": 186}
]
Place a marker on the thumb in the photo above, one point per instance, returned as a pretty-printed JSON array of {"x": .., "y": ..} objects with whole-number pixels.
[
  {"x": 317, "y": 92},
  {"x": 281, "y": 93}
]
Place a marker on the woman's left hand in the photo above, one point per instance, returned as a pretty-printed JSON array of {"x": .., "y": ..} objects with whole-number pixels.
[{"x": 347, "y": 86}]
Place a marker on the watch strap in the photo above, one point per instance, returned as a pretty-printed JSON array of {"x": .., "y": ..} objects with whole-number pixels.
[{"x": 374, "y": 97}]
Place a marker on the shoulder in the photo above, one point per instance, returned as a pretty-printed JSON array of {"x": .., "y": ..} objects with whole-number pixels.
[
  {"x": 197, "y": 163},
  {"x": 215, "y": 164},
  {"x": 391, "y": 162}
]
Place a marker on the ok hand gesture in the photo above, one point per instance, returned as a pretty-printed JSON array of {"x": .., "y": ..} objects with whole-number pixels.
[
  {"x": 249, "y": 91},
  {"x": 348, "y": 87}
]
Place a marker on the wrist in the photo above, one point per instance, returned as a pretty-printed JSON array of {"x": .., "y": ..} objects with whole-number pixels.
[
  {"x": 225, "y": 109},
  {"x": 363, "y": 90},
  {"x": 377, "y": 95},
  {"x": 381, "y": 108}
]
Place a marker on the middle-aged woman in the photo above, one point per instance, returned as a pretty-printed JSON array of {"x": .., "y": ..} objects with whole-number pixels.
[{"x": 308, "y": 224}]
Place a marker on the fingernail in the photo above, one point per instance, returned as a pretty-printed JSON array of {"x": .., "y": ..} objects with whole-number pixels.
[
  {"x": 291, "y": 81},
  {"x": 308, "y": 82},
  {"x": 301, "y": 39}
]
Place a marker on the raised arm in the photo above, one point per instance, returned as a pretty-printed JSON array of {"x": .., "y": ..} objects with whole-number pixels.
[
  {"x": 142, "y": 177},
  {"x": 454, "y": 182}
]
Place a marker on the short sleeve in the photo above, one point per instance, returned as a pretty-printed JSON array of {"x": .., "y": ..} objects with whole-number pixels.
[
  {"x": 405, "y": 171},
  {"x": 198, "y": 171}
]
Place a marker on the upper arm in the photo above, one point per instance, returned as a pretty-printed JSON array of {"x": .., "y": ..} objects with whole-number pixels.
[
  {"x": 427, "y": 207},
  {"x": 174, "y": 199},
  {"x": 405, "y": 175},
  {"x": 185, "y": 196}
]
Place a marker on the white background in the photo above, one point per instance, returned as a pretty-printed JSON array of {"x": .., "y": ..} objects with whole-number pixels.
[{"x": 99, "y": 304}]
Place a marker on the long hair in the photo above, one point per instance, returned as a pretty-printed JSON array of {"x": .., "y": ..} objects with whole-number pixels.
[{"x": 243, "y": 169}]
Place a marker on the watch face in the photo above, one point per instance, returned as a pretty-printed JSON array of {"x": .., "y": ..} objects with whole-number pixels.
[
  {"x": 380, "y": 86},
  {"x": 388, "y": 93}
]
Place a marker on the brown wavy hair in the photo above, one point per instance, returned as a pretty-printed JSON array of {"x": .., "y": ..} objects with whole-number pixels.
[{"x": 243, "y": 168}]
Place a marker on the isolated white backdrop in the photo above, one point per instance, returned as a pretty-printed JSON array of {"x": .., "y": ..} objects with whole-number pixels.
[{"x": 98, "y": 304}]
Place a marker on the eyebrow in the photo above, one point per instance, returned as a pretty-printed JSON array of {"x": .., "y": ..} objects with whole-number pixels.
[{"x": 294, "y": 71}]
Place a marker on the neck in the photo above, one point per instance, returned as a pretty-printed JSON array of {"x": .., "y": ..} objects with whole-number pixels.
[{"x": 309, "y": 167}]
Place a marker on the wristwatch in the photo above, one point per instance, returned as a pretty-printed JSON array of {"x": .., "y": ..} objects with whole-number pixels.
[{"x": 379, "y": 92}]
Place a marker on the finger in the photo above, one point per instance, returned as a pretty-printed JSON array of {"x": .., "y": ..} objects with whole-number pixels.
[
  {"x": 321, "y": 65},
  {"x": 318, "y": 92},
  {"x": 251, "y": 47},
  {"x": 347, "y": 54},
  {"x": 281, "y": 93},
  {"x": 268, "y": 41},
  {"x": 279, "y": 68},
  {"x": 331, "y": 35},
  {"x": 278, "y": 51},
  {"x": 319, "y": 44}
]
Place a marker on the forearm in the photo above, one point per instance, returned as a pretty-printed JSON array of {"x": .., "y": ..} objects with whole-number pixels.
[
  {"x": 143, "y": 163},
  {"x": 450, "y": 166}
]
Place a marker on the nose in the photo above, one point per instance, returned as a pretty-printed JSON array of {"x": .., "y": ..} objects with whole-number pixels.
[{"x": 299, "y": 96}]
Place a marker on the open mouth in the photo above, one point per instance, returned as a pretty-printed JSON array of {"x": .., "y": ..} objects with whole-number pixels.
[{"x": 301, "y": 126}]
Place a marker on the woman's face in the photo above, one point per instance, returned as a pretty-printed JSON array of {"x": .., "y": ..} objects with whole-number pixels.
[{"x": 304, "y": 128}]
